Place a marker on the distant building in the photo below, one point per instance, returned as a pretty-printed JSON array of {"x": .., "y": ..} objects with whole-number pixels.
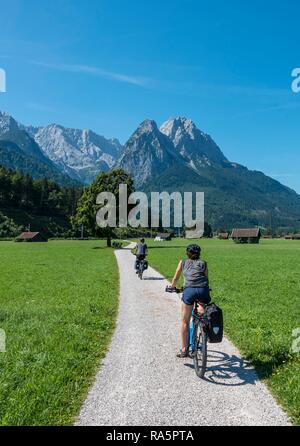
[
  {"x": 223, "y": 235},
  {"x": 163, "y": 237},
  {"x": 246, "y": 235},
  {"x": 296, "y": 237},
  {"x": 292, "y": 237},
  {"x": 31, "y": 237}
]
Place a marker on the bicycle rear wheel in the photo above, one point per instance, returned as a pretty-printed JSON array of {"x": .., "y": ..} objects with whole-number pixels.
[
  {"x": 199, "y": 349},
  {"x": 141, "y": 270}
]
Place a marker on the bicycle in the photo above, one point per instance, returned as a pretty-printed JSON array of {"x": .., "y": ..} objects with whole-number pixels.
[
  {"x": 198, "y": 336},
  {"x": 142, "y": 266}
]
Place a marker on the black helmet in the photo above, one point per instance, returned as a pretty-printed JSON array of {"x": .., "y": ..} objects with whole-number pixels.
[{"x": 194, "y": 249}]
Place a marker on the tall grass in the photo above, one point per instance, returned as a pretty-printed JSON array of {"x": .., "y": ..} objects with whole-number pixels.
[{"x": 58, "y": 304}]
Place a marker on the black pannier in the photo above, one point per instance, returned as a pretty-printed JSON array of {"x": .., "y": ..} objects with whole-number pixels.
[
  {"x": 214, "y": 319},
  {"x": 145, "y": 264}
]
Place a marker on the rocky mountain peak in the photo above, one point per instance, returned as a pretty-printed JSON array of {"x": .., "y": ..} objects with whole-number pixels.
[
  {"x": 176, "y": 126},
  {"x": 146, "y": 153},
  {"x": 82, "y": 154},
  {"x": 195, "y": 146},
  {"x": 7, "y": 123},
  {"x": 147, "y": 126}
]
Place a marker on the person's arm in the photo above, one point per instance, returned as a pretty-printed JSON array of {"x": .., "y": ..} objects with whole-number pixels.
[
  {"x": 177, "y": 274},
  {"x": 206, "y": 271},
  {"x": 146, "y": 250}
]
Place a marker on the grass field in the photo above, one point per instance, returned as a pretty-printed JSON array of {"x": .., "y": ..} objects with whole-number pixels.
[
  {"x": 58, "y": 304},
  {"x": 258, "y": 287}
]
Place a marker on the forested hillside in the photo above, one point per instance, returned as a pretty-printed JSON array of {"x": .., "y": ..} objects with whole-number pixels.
[{"x": 42, "y": 204}]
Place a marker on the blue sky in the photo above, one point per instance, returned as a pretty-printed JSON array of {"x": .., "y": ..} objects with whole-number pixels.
[{"x": 109, "y": 64}]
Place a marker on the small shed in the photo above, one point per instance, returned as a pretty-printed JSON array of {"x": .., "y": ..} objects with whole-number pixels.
[
  {"x": 296, "y": 237},
  {"x": 163, "y": 237},
  {"x": 246, "y": 235},
  {"x": 223, "y": 236},
  {"x": 31, "y": 237}
]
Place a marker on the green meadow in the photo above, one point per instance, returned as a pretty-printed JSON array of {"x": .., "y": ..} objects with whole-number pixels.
[
  {"x": 58, "y": 305},
  {"x": 258, "y": 287},
  {"x": 59, "y": 301}
]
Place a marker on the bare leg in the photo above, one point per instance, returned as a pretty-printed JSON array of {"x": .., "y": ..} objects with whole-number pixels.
[
  {"x": 186, "y": 312},
  {"x": 201, "y": 309}
]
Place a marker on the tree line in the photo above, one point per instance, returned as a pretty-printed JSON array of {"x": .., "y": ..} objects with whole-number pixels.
[
  {"x": 42, "y": 196},
  {"x": 66, "y": 212}
]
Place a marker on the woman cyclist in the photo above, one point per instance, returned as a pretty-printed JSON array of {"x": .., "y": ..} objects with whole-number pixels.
[
  {"x": 196, "y": 288},
  {"x": 140, "y": 251}
]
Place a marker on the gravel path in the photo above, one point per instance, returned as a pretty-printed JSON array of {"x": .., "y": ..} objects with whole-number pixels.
[{"x": 142, "y": 383}]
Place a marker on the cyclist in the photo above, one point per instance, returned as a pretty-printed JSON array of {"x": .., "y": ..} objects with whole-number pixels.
[
  {"x": 196, "y": 288},
  {"x": 140, "y": 251}
]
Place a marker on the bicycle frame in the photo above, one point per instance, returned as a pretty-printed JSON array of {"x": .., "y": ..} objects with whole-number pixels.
[{"x": 195, "y": 315}]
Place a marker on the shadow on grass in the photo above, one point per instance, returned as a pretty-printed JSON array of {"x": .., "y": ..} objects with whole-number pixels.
[
  {"x": 265, "y": 367},
  {"x": 225, "y": 370}
]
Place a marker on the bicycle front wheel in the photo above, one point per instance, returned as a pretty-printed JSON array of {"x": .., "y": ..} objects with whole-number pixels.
[{"x": 199, "y": 349}]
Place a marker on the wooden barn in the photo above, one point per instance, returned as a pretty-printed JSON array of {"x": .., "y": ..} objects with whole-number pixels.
[
  {"x": 292, "y": 237},
  {"x": 296, "y": 237},
  {"x": 31, "y": 237},
  {"x": 163, "y": 237},
  {"x": 246, "y": 235}
]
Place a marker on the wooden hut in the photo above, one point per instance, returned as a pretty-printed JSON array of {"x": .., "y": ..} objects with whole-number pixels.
[
  {"x": 246, "y": 235},
  {"x": 31, "y": 237},
  {"x": 296, "y": 237},
  {"x": 162, "y": 237}
]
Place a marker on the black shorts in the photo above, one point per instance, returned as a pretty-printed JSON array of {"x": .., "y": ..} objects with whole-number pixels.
[{"x": 140, "y": 257}]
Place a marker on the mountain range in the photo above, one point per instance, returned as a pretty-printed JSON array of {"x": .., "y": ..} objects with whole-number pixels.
[
  {"x": 68, "y": 156},
  {"x": 81, "y": 154},
  {"x": 179, "y": 157},
  {"x": 175, "y": 157}
]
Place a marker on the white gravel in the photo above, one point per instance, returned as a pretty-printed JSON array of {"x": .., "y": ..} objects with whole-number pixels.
[{"x": 141, "y": 382}]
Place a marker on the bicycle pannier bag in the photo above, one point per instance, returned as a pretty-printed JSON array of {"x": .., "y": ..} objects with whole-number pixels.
[{"x": 214, "y": 316}]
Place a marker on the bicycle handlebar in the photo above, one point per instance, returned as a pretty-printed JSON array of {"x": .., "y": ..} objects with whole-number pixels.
[{"x": 170, "y": 289}]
